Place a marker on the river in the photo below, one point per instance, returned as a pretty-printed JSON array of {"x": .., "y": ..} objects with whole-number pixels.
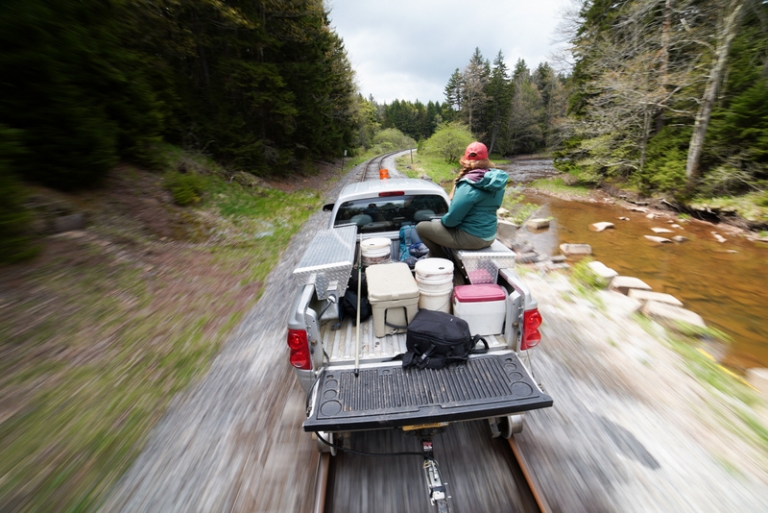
[{"x": 726, "y": 283}]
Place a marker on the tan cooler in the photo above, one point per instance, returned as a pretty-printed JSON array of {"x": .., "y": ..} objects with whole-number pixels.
[{"x": 394, "y": 297}]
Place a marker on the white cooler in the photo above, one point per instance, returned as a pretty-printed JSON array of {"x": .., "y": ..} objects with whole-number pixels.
[
  {"x": 394, "y": 297},
  {"x": 482, "y": 306}
]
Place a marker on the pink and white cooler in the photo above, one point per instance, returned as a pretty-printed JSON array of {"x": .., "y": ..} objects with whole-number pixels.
[{"x": 482, "y": 306}]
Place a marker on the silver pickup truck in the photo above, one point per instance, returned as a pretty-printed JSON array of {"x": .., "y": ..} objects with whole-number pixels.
[{"x": 353, "y": 378}]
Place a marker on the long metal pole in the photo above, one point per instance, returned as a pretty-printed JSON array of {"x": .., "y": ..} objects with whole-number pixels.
[{"x": 357, "y": 325}]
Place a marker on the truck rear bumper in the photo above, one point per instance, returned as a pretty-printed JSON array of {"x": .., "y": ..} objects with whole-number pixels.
[{"x": 384, "y": 396}]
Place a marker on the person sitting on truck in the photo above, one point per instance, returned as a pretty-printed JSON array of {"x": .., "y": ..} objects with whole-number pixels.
[{"x": 471, "y": 219}]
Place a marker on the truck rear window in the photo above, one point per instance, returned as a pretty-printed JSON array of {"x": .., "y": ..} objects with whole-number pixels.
[{"x": 388, "y": 214}]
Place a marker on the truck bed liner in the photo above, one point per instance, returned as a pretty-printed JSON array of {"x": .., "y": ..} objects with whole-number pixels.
[
  {"x": 488, "y": 385},
  {"x": 340, "y": 343}
]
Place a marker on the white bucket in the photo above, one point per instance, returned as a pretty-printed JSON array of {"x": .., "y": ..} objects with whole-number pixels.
[
  {"x": 376, "y": 250},
  {"x": 438, "y": 302},
  {"x": 434, "y": 277}
]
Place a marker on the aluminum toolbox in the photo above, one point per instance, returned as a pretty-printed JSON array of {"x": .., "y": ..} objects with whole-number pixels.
[
  {"x": 328, "y": 260},
  {"x": 482, "y": 266}
]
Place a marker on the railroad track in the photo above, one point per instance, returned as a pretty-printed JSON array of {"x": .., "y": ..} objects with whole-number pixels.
[
  {"x": 482, "y": 474},
  {"x": 372, "y": 167}
]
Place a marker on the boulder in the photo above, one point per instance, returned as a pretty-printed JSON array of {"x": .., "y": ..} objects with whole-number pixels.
[
  {"x": 503, "y": 212},
  {"x": 602, "y": 270},
  {"x": 575, "y": 249},
  {"x": 624, "y": 283},
  {"x": 661, "y": 230},
  {"x": 659, "y": 240},
  {"x": 619, "y": 304},
  {"x": 558, "y": 259},
  {"x": 719, "y": 238},
  {"x": 649, "y": 295},
  {"x": 675, "y": 225},
  {"x": 537, "y": 224},
  {"x": 599, "y": 227},
  {"x": 679, "y": 238},
  {"x": 527, "y": 258},
  {"x": 506, "y": 231},
  {"x": 623, "y": 219},
  {"x": 670, "y": 316},
  {"x": 651, "y": 215},
  {"x": 639, "y": 209}
]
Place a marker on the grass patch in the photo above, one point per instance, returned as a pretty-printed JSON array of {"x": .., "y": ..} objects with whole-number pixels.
[
  {"x": 557, "y": 184},
  {"x": 519, "y": 209},
  {"x": 96, "y": 343},
  {"x": 587, "y": 282},
  {"x": 436, "y": 168},
  {"x": 751, "y": 207}
]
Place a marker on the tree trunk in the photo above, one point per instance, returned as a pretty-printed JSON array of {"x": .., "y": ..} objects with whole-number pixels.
[
  {"x": 725, "y": 36},
  {"x": 664, "y": 67}
]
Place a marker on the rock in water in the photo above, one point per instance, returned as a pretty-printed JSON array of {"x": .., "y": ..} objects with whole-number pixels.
[
  {"x": 649, "y": 295},
  {"x": 575, "y": 249},
  {"x": 660, "y": 240},
  {"x": 602, "y": 270},
  {"x": 537, "y": 224},
  {"x": 719, "y": 238},
  {"x": 672, "y": 316},
  {"x": 599, "y": 227},
  {"x": 624, "y": 283},
  {"x": 661, "y": 230}
]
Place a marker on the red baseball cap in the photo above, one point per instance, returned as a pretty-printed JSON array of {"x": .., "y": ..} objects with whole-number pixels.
[{"x": 476, "y": 151}]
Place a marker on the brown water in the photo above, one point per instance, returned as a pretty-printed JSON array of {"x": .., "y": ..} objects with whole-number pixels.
[{"x": 725, "y": 283}]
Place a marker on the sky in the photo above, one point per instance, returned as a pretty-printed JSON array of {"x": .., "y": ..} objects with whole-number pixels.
[{"x": 408, "y": 49}]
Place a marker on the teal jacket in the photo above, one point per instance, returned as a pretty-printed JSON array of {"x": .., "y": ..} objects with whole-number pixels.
[{"x": 477, "y": 198}]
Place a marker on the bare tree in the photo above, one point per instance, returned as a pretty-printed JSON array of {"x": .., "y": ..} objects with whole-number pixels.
[{"x": 728, "y": 21}]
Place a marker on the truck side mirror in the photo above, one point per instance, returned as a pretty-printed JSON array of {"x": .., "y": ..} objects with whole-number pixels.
[{"x": 328, "y": 207}]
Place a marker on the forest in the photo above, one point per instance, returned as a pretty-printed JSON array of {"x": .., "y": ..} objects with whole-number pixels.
[
  {"x": 666, "y": 96},
  {"x": 671, "y": 96}
]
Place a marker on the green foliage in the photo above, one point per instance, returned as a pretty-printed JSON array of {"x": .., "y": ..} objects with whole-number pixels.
[
  {"x": 186, "y": 188},
  {"x": 392, "y": 139},
  {"x": 584, "y": 277},
  {"x": 514, "y": 202},
  {"x": 665, "y": 165},
  {"x": 14, "y": 217},
  {"x": 449, "y": 142}
]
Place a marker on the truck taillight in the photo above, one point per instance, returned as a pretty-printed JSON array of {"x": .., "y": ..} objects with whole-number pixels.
[
  {"x": 297, "y": 342},
  {"x": 531, "y": 322}
]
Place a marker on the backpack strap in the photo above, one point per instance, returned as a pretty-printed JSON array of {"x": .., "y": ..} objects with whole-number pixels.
[{"x": 475, "y": 340}]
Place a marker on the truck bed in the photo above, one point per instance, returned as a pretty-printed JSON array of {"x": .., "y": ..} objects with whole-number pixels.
[
  {"x": 340, "y": 343},
  {"x": 489, "y": 385}
]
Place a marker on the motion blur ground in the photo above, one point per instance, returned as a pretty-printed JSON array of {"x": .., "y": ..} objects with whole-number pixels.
[{"x": 631, "y": 429}]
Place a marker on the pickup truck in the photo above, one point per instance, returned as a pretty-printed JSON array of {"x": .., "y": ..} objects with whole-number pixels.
[{"x": 351, "y": 389}]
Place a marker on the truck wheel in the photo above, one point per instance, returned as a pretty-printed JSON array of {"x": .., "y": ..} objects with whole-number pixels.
[
  {"x": 506, "y": 426},
  {"x": 323, "y": 447}
]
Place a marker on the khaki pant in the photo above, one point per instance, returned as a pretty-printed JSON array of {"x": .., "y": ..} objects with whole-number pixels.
[{"x": 436, "y": 237}]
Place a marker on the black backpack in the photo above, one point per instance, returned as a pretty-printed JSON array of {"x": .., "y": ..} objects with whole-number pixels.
[{"x": 435, "y": 339}]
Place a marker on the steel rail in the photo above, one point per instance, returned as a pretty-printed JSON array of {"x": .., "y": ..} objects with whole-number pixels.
[
  {"x": 321, "y": 482},
  {"x": 537, "y": 495}
]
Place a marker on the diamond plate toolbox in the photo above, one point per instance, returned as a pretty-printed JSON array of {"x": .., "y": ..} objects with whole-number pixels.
[
  {"x": 483, "y": 266},
  {"x": 328, "y": 261}
]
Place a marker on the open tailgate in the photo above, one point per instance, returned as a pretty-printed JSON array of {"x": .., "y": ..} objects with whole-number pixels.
[{"x": 490, "y": 385}]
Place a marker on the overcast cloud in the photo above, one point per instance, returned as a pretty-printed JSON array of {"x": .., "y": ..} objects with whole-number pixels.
[{"x": 408, "y": 49}]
